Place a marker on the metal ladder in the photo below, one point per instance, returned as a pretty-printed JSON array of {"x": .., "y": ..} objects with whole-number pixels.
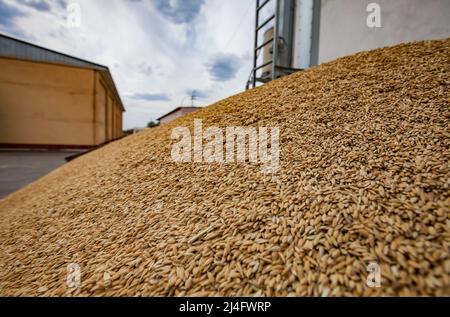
[
  {"x": 257, "y": 48},
  {"x": 280, "y": 66}
]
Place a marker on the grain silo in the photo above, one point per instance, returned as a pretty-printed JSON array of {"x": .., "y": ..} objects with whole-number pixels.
[{"x": 310, "y": 32}]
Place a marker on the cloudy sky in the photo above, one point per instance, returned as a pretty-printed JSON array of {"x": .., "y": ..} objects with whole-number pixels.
[{"x": 158, "y": 51}]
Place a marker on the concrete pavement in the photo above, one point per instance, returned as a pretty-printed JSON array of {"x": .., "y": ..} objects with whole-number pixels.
[{"x": 19, "y": 168}]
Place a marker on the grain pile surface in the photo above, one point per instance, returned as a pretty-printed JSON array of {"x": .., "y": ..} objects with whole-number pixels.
[{"x": 364, "y": 178}]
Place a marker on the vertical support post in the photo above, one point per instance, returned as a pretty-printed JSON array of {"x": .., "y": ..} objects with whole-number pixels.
[
  {"x": 315, "y": 34},
  {"x": 275, "y": 40},
  {"x": 255, "y": 55},
  {"x": 94, "y": 102}
]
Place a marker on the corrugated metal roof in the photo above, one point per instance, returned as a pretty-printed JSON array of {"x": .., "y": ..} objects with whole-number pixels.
[
  {"x": 176, "y": 109},
  {"x": 15, "y": 48}
]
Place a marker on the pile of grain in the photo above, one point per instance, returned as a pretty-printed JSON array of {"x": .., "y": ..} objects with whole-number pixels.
[{"x": 364, "y": 177}]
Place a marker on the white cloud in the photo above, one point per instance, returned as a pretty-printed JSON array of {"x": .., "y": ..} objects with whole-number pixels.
[{"x": 153, "y": 50}]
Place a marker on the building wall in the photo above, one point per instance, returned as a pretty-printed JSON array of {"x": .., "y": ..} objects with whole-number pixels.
[
  {"x": 110, "y": 121},
  {"x": 179, "y": 113},
  {"x": 100, "y": 110},
  {"x": 109, "y": 118},
  {"x": 45, "y": 104},
  {"x": 114, "y": 123},
  {"x": 343, "y": 28},
  {"x": 120, "y": 123},
  {"x": 55, "y": 105},
  {"x": 117, "y": 128},
  {"x": 109, "y": 113}
]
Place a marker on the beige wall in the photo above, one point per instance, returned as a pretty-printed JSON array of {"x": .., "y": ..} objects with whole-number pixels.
[
  {"x": 110, "y": 118},
  {"x": 45, "y": 104},
  {"x": 119, "y": 119},
  {"x": 100, "y": 110},
  {"x": 109, "y": 113},
  {"x": 114, "y": 123},
  {"x": 121, "y": 123}
]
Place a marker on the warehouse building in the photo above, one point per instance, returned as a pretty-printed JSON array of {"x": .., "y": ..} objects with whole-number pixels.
[
  {"x": 176, "y": 113},
  {"x": 53, "y": 100}
]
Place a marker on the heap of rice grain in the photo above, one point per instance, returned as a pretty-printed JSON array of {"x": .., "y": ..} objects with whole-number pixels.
[{"x": 364, "y": 178}]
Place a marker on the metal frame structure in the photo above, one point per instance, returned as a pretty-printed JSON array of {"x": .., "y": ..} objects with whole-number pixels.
[
  {"x": 277, "y": 70},
  {"x": 257, "y": 48}
]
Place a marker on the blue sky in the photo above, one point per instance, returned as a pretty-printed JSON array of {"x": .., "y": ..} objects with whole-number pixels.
[{"x": 159, "y": 51}]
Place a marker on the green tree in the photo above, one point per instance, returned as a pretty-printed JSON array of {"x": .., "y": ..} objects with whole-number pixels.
[{"x": 152, "y": 124}]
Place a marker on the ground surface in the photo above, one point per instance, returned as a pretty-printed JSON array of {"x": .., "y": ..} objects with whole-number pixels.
[
  {"x": 20, "y": 168},
  {"x": 361, "y": 198}
]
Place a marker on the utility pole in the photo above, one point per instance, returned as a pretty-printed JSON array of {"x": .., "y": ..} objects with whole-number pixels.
[{"x": 192, "y": 98}]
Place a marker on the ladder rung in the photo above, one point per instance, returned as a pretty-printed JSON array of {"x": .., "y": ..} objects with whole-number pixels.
[
  {"x": 262, "y": 5},
  {"x": 265, "y": 23},
  {"x": 290, "y": 68},
  {"x": 262, "y": 80},
  {"x": 263, "y": 44},
  {"x": 262, "y": 66}
]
